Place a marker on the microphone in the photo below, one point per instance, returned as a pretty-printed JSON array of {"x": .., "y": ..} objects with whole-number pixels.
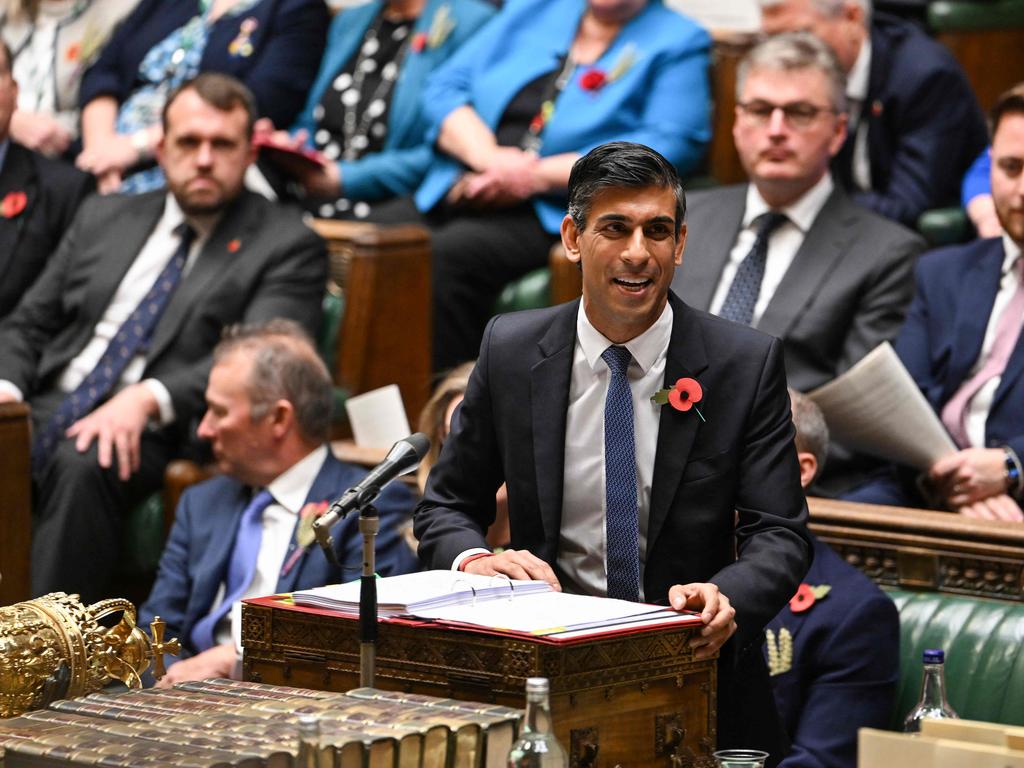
[{"x": 404, "y": 456}]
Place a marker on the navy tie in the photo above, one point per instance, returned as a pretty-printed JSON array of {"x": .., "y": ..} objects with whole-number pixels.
[
  {"x": 622, "y": 529},
  {"x": 241, "y": 568},
  {"x": 746, "y": 285},
  {"x": 131, "y": 339}
]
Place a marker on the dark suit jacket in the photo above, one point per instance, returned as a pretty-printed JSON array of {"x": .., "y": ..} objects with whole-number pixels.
[
  {"x": 923, "y": 120},
  {"x": 195, "y": 560},
  {"x": 286, "y": 37},
  {"x": 260, "y": 262},
  {"x": 942, "y": 338},
  {"x": 846, "y": 292},
  {"x": 845, "y": 665},
  {"x": 54, "y": 191},
  {"x": 512, "y": 429}
]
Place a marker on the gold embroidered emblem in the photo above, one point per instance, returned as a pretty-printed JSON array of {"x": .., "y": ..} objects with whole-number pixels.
[{"x": 780, "y": 651}]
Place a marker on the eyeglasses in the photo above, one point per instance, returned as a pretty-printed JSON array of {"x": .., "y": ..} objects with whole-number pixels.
[{"x": 796, "y": 114}]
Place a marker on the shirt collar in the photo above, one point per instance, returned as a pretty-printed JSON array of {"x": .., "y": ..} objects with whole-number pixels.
[
  {"x": 646, "y": 348},
  {"x": 1011, "y": 252},
  {"x": 291, "y": 488},
  {"x": 857, "y": 80},
  {"x": 802, "y": 212}
]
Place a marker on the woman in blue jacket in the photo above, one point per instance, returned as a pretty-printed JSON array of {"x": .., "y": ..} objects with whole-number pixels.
[{"x": 544, "y": 82}]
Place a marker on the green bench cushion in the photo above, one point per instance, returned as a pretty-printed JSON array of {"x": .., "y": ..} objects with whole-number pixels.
[
  {"x": 984, "y": 644},
  {"x": 947, "y": 16}
]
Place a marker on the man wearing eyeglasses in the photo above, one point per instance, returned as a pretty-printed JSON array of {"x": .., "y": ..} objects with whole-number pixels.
[
  {"x": 915, "y": 124},
  {"x": 790, "y": 253}
]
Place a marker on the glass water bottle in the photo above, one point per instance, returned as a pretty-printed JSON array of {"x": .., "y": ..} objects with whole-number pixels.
[{"x": 537, "y": 746}]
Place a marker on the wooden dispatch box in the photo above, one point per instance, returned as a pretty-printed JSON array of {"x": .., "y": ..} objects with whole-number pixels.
[{"x": 637, "y": 699}]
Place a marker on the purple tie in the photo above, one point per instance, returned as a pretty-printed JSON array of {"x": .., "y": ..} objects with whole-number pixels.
[
  {"x": 954, "y": 413},
  {"x": 241, "y": 568}
]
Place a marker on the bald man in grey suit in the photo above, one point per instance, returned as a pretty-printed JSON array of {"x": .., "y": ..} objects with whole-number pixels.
[{"x": 789, "y": 253}]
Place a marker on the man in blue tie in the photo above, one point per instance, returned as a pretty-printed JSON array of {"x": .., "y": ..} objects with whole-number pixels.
[
  {"x": 248, "y": 532},
  {"x": 647, "y": 447},
  {"x": 111, "y": 346}
]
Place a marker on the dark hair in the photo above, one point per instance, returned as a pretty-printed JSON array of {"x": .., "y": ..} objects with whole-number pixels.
[
  {"x": 220, "y": 91},
  {"x": 620, "y": 164},
  {"x": 1011, "y": 102},
  {"x": 285, "y": 366},
  {"x": 811, "y": 429}
]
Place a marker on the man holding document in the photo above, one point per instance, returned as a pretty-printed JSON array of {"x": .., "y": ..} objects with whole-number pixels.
[
  {"x": 617, "y": 487},
  {"x": 962, "y": 346}
]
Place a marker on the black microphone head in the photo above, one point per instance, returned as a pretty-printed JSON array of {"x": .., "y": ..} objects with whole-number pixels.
[
  {"x": 406, "y": 454},
  {"x": 420, "y": 444}
]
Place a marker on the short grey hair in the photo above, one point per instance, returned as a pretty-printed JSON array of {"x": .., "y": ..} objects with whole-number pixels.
[
  {"x": 827, "y": 8},
  {"x": 285, "y": 366},
  {"x": 793, "y": 51},
  {"x": 811, "y": 429}
]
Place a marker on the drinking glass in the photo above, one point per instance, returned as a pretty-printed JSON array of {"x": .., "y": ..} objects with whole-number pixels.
[{"x": 741, "y": 758}]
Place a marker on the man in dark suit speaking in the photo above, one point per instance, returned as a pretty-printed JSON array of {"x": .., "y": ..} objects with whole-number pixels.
[
  {"x": 111, "y": 346},
  {"x": 695, "y": 502}
]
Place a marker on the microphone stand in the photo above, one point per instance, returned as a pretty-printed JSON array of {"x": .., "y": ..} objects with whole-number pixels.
[{"x": 369, "y": 524}]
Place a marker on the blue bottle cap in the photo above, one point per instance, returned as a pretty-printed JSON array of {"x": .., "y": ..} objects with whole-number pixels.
[{"x": 934, "y": 656}]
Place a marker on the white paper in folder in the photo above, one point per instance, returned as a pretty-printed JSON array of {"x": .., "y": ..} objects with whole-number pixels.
[{"x": 877, "y": 408}]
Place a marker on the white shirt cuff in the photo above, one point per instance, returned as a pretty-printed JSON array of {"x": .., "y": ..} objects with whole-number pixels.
[
  {"x": 9, "y": 388},
  {"x": 463, "y": 555},
  {"x": 163, "y": 400}
]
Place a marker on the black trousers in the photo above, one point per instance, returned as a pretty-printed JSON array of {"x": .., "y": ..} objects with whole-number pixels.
[
  {"x": 80, "y": 508},
  {"x": 474, "y": 255}
]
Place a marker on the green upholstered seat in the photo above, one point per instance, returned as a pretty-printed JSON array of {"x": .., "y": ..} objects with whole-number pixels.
[
  {"x": 945, "y": 226},
  {"x": 531, "y": 291},
  {"x": 984, "y": 644},
  {"x": 947, "y": 15}
]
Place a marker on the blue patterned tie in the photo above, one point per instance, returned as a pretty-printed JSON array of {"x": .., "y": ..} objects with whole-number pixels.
[
  {"x": 130, "y": 340},
  {"x": 746, "y": 285},
  {"x": 241, "y": 568},
  {"x": 621, "y": 523}
]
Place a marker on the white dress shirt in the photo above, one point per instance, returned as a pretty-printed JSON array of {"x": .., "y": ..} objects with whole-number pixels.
[
  {"x": 582, "y": 545},
  {"x": 981, "y": 403},
  {"x": 783, "y": 243},
  {"x": 857, "y": 83},
  {"x": 159, "y": 248},
  {"x": 290, "y": 490}
]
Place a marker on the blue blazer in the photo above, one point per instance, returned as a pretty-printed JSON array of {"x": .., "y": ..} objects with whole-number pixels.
[
  {"x": 845, "y": 665},
  {"x": 924, "y": 123},
  {"x": 661, "y": 99},
  {"x": 941, "y": 340},
  {"x": 399, "y": 168},
  {"x": 195, "y": 560},
  {"x": 287, "y": 43}
]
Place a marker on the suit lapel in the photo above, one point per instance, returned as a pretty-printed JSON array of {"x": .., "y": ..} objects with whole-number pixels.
[
  {"x": 813, "y": 262},
  {"x": 17, "y": 175},
  {"x": 972, "y": 317},
  {"x": 324, "y": 488},
  {"x": 221, "y": 531},
  {"x": 406, "y": 96},
  {"x": 677, "y": 430},
  {"x": 215, "y": 257},
  {"x": 711, "y": 246},
  {"x": 550, "y": 380}
]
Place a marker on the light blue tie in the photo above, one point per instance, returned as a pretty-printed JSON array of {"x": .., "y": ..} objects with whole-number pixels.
[
  {"x": 621, "y": 522},
  {"x": 131, "y": 339},
  {"x": 746, "y": 285},
  {"x": 241, "y": 568}
]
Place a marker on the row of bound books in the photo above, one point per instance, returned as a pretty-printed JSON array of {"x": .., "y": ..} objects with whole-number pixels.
[{"x": 233, "y": 724}]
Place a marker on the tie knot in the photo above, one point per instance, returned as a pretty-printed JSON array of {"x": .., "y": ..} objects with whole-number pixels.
[
  {"x": 769, "y": 222},
  {"x": 185, "y": 233},
  {"x": 617, "y": 358},
  {"x": 259, "y": 502}
]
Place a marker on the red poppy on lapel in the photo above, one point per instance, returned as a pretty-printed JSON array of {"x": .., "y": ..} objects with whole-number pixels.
[
  {"x": 593, "y": 80},
  {"x": 13, "y": 204},
  {"x": 807, "y": 595},
  {"x": 234, "y": 245},
  {"x": 876, "y": 108},
  {"x": 419, "y": 42}
]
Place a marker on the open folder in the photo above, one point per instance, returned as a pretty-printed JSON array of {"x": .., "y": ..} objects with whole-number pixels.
[{"x": 495, "y": 603}]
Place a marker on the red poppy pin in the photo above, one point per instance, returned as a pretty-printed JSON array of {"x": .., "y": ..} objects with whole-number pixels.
[
  {"x": 876, "y": 108},
  {"x": 234, "y": 245},
  {"x": 683, "y": 396},
  {"x": 419, "y": 42},
  {"x": 304, "y": 534},
  {"x": 593, "y": 80},
  {"x": 807, "y": 595},
  {"x": 73, "y": 52},
  {"x": 13, "y": 204}
]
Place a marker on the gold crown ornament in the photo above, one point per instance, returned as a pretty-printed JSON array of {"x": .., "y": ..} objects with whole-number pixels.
[{"x": 53, "y": 647}]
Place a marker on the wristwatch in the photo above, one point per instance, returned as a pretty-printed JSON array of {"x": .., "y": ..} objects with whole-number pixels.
[{"x": 1014, "y": 475}]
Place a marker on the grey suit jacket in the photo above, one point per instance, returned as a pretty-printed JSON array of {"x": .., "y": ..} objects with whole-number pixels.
[
  {"x": 260, "y": 262},
  {"x": 847, "y": 290}
]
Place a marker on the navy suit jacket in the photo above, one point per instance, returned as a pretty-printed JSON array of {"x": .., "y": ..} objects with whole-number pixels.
[
  {"x": 923, "y": 121},
  {"x": 512, "y": 429},
  {"x": 945, "y": 328},
  {"x": 53, "y": 191},
  {"x": 845, "y": 665},
  {"x": 286, "y": 38},
  {"x": 195, "y": 560}
]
